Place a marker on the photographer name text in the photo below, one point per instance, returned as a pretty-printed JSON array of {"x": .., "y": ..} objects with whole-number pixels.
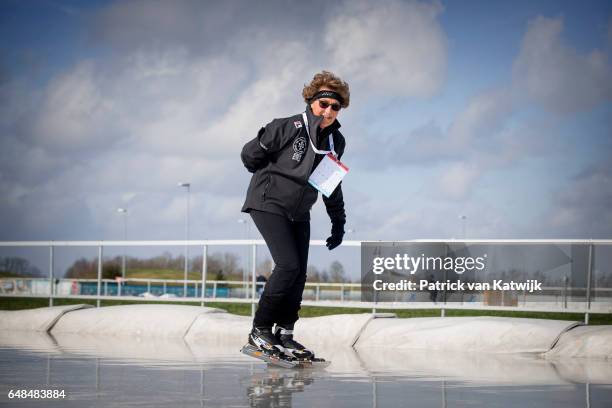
[{"x": 530, "y": 285}]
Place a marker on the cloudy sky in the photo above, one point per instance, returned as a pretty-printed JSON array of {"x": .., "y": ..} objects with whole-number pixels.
[{"x": 499, "y": 111}]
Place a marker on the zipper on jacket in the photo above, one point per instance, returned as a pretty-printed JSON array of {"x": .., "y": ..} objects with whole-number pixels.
[
  {"x": 303, "y": 188},
  {"x": 265, "y": 191}
]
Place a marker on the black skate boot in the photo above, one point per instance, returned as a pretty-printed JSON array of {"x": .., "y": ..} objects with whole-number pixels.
[
  {"x": 291, "y": 347},
  {"x": 266, "y": 341}
]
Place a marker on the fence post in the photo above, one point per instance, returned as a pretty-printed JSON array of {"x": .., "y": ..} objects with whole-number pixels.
[
  {"x": 99, "y": 275},
  {"x": 565, "y": 292},
  {"x": 375, "y": 294},
  {"x": 253, "y": 281},
  {"x": 50, "y": 275},
  {"x": 589, "y": 277},
  {"x": 204, "y": 271}
]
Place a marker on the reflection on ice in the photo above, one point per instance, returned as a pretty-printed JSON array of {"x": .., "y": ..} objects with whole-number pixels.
[
  {"x": 478, "y": 368},
  {"x": 275, "y": 387},
  {"x": 118, "y": 371}
]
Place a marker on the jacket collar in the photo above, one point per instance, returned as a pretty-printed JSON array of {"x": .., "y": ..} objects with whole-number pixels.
[{"x": 315, "y": 121}]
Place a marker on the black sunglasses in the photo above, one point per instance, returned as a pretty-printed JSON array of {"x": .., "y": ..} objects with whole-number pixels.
[{"x": 325, "y": 105}]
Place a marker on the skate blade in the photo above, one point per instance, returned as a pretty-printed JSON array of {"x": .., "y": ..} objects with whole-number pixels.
[
  {"x": 253, "y": 351},
  {"x": 319, "y": 363}
]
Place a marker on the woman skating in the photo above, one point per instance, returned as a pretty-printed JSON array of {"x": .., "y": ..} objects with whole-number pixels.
[{"x": 282, "y": 158}]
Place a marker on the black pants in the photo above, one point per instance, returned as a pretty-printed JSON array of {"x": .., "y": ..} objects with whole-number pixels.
[{"x": 288, "y": 243}]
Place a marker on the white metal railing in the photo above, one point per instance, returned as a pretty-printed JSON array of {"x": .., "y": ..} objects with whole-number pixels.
[
  {"x": 334, "y": 291},
  {"x": 252, "y": 298}
]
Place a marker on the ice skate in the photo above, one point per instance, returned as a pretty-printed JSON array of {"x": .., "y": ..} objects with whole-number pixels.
[
  {"x": 291, "y": 347},
  {"x": 265, "y": 346},
  {"x": 264, "y": 339},
  {"x": 294, "y": 349}
]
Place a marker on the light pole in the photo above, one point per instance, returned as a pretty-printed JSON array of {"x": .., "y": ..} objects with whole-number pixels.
[
  {"x": 463, "y": 225},
  {"x": 188, "y": 187},
  {"x": 123, "y": 211}
]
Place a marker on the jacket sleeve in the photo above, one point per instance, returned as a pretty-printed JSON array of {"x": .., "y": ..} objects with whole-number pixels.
[
  {"x": 256, "y": 153},
  {"x": 335, "y": 203}
]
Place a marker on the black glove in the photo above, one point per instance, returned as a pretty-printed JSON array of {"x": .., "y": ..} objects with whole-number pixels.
[{"x": 337, "y": 233}]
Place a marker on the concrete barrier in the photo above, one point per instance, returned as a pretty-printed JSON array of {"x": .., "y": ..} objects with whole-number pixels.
[
  {"x": 39, "y": 319},
  {"x": 219, "y": 329},
  {"x": 335, "y": 330},
  {"x": 332, "y": 331},
  {"x": 482, "y": 334},
  {"x": 584, "y": 342},
  {"x": 208, "y": 329},
  {"x": 132, "y": 320}
]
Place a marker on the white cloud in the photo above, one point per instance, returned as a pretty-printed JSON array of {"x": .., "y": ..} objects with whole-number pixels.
[
  {"x": 27, "y": 164},
  {"x": 430, "y": 218},
  {"x": 205, "y": 27},
  {"x": 133, "y": 126},
  {"x": 556, "y": 75},
  {"x": 74, "y": 115},
  {"x": 584, "y": 207},
  {"x": 391, "y": 47},
  {"x": 485, "y": 114},
  {"x": 276, "y": 93},
  {"x": 474, "y": 134},
  {"x": 172, "y": 102},
  {"x": 137, "y": 23},
  {"x": 456, "y": 180},
  {"x": 168, "y": 100}
]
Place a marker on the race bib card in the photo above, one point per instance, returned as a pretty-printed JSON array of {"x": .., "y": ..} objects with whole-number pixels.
[{"x": 328, "y": 174}]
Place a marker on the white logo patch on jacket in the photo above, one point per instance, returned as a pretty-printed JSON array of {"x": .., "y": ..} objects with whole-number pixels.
[
  {"x": 299, "y": 147},
  {"x": 297, "y": 124}
]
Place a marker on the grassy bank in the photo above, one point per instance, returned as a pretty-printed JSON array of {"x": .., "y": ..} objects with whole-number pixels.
[{"x": 243, "y": 309}]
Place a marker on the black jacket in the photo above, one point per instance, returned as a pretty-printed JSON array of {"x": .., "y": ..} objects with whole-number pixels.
[{"x": 282, "y": 159}]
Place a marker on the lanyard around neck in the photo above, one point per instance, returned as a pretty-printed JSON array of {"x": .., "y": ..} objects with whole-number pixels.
[{"x": 331, "y": 139}]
